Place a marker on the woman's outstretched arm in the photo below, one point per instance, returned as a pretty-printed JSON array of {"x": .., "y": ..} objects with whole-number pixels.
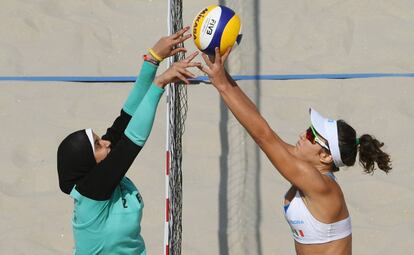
[
  {"x": 102, "y": 180},
  {"x": 298, "y": 172},
  {"x": 165, "y": 47}
]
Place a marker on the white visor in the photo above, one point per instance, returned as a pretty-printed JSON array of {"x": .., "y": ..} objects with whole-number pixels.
[
  {"x": 90, "y": 137},
  {"x": 328, "y": 129}
]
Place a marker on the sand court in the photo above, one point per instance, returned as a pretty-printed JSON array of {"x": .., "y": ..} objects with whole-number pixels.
[{"x": 103, "y": 38}]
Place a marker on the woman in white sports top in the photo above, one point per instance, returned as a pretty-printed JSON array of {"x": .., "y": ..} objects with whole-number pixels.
[{"x": 314, "y": 205}]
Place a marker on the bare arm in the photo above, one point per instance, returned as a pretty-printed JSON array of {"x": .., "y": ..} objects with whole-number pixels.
[
  {"x": 296, "y": 171},
  {"x": 287, "y": 146}
]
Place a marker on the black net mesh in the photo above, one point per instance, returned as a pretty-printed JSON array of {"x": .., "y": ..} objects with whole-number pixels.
[{"x": 177, "y": 100}]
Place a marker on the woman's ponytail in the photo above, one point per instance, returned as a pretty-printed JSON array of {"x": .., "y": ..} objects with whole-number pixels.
[{"x": 370, "y": 153}]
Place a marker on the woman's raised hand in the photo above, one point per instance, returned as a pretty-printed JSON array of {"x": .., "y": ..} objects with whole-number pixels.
[
  {"x": 215, "y": 70},
  {"x": 167, "y": 45},
  {"x": 178, "y": 72}
]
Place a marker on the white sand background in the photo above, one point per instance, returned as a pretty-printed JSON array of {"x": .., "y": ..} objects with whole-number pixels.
[{"x": 108, "y": 37}]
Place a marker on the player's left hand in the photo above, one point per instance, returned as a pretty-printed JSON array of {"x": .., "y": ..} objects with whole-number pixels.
[{"x": 169, "y": 45}]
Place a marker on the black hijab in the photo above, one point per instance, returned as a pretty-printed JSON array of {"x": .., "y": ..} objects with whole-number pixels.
[{"x": 75, "y": 159}]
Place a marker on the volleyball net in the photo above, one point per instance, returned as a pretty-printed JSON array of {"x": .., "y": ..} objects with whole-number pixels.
[{"x": 176, "y": 115}]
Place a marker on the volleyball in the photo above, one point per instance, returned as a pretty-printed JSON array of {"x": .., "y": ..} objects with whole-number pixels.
[{"x": 216, "y": 26}]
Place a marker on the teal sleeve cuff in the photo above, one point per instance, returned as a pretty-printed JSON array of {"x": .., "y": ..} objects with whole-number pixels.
[
  {"x": 140, "y": 125},
  {"x": 141, "y": 86}
]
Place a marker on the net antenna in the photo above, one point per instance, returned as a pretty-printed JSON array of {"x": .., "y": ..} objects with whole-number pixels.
[{"x": 176, "y": 115}]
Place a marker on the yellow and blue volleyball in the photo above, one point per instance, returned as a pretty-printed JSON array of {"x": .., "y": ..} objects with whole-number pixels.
[{"x": 216, "y": 26}]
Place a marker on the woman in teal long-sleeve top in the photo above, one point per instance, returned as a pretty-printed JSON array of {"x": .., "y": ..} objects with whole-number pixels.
[{"x": 107, "y": 205}]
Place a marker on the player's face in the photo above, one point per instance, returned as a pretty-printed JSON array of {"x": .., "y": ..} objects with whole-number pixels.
[
  {"x": 308, "y": 149},
  {"x": 102, "y": 148}
]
